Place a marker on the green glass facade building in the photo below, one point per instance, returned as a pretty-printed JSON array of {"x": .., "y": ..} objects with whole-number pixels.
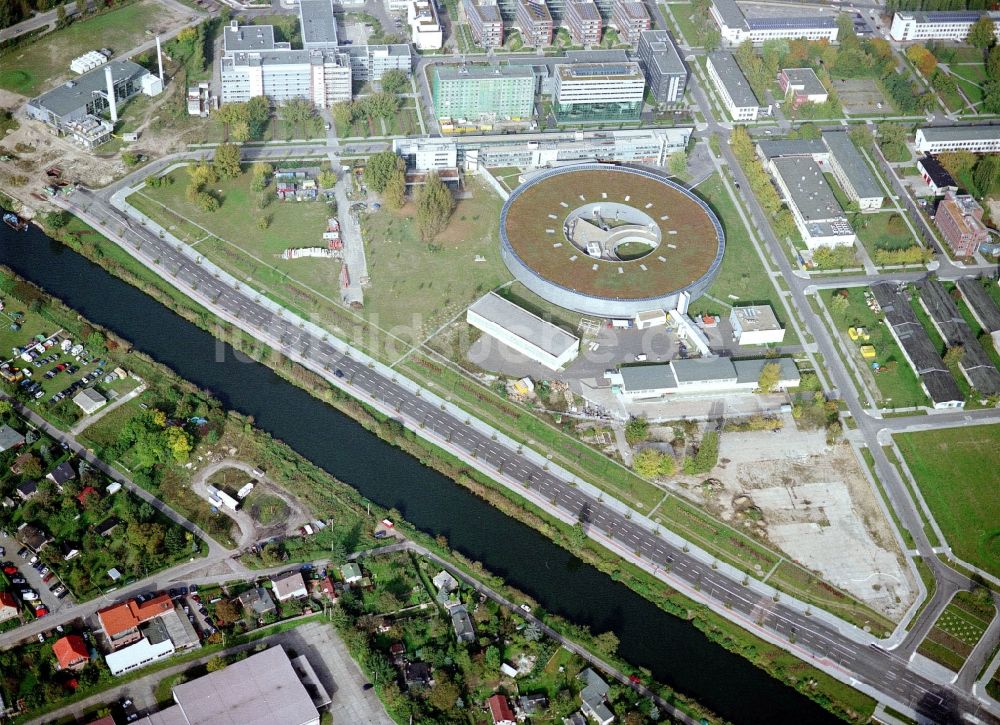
[{"x": 483, "y": 92}]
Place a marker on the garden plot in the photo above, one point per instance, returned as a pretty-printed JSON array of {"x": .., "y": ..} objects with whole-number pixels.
[{"x": 814, "y": 503}]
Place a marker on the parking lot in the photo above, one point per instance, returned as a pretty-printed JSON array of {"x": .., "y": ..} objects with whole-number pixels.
[{"x": 26, "y": 576}]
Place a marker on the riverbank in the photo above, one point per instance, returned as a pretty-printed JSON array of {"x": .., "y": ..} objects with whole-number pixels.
[
  {"x": 329, "y": 498},
  {"x": 778, "y": 661}
]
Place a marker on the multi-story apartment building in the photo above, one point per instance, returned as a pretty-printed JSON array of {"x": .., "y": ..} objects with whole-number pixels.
[
  {"x": 666, "y": 73},
  {"x": 735, "y": 27},
  {"x": 732, "y": 86},
  {"x": 588, "y": 92},
  {"x": 959, "y": 218},
  {"x": 370, "y": 62},
  {"x": 630, "y": 18},
  {"x": 910, "y": 25},
  {"x": 534, "y": 22},
  {"x": 483, "y": 92},
  {"x": 485, "y": 22},
  {"x": 425, "y": 28},
  {"x": 978, "y": 139},
  {"x": 583, "y": 21}
]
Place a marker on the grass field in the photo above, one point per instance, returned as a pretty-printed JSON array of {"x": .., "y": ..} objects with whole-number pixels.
[
  {"x": 958, "y": 471},
  {"x": 741, "y": 278},
  {"x": 884, "y": 230},
  {"x": 897, "y": 384},
  {"x": 421, "y": 286},
  {"x": 31, "y": 69},
  {"x": 956, "y": 632}
]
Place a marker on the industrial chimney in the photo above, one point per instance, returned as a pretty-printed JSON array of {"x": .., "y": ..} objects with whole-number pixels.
[
  {"x": 111, "y": 94},
  {"x": 159, "y": 59}
]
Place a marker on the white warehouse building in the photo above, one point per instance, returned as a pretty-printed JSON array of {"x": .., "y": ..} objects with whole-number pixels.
[
  {"x": 909, "y": 25},
  {"x": 698, "y": 377},
  {"x": 735, "y": 27},
  {"x": 527, "y": 334}
]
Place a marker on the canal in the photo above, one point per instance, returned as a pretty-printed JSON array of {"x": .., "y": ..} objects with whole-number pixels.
[{"x": 676, "y": 652}]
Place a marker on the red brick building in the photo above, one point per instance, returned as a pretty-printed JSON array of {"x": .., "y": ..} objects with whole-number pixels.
[{"x": 959, "y": 218}]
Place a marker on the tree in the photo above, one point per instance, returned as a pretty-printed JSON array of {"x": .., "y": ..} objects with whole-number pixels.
[
  {"x": 981, "y": 34},
  {"x": 647, "y": 462},
  {"x": 130, "y": 158},
  {"x": 297, "y": 112},
  {"x": 61, "y": 21},
  {"x": 986, "y": 173},
  {"x": 707, "y": 456},
  {"x": 839, "y": 303},
  {"x": 770, "y": 374},
  {"x": 636, "y": 430},
  {"x": 958, "y": 163},
  {"x": 434, "y": 207},
  {"x": 215, "y": 664},
  {"x": 227, "y": 160},
  {"x": 445, "y": 692},
  {"x": 491, "y": 661},
  {"x": 6, "y": 407},
  {"x": 226, "y": 612},
  {"x": 343, "y": 113},
  {"x": 607, "y": 643},
  {"x": 395, "y": 191},
  {"x": 258, "y": 111},
  {"x": 922, "y": 58},
  {"x": 953, "y": 355},
  {"x": 381, "y": 168},
  {"x": 394, "y": 81},
  {"x": 846, "y": 35},
  {"x": 179, "y": 442},
  {"x": 202, "y": 174},
  {"x": 993, "y": 62},
  {"x": 677, "y": 163}
]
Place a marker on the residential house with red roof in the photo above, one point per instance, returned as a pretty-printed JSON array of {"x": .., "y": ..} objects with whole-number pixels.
[
  {"x": 120, "y": 622},
  {"x": 71, "y": 652},
  {"x": 500, "y": 710}
]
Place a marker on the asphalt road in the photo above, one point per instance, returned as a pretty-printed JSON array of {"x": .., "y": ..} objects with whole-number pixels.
[{"x": 809, "y": 636}]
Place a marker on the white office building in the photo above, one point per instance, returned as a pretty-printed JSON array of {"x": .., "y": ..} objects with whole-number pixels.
[
  {"x": 818, "y": 215},
  {"x": 523, "y": 332},
  {"x": 978, "y": 139},
  {"x": 915, "y": 25},
  {"x": 527, "y": 151},
  {"x": 599, "y": 83},
  {"x": 735, "y": 27},
  {"x": 732, "y": 86},
  {"x": 755, "y": 325},
  {"x": 425, "y": 28}
]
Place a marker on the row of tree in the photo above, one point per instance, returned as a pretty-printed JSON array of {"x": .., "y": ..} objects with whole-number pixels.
[
  {"x": 385, "y": 174},
  {"x": 760, "y": 183}
]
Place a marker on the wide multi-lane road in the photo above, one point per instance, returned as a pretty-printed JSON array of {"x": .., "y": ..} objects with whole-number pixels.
[{"x": 815, "y": 637}]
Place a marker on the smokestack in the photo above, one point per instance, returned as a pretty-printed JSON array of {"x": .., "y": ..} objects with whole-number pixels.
[
  {"x": 159, "y": 58},
  {"x": 111, "y": 94}
]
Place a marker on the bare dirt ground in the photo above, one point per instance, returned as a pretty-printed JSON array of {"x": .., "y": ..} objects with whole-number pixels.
[{"x": 813, "y": 502}]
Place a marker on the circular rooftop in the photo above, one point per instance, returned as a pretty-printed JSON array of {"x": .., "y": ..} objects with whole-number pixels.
[{"x": 610, "y": 240}]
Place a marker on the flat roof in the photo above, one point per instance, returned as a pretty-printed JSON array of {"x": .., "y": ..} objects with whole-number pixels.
[
  {"x": 979, "y": 301},
  {"x": 791, "y": 147},
  {"x": 634, "y": 9},
  {"x": 946, "y": 16},
  {"x": 730, "y": 13},
  {"x": 519, "y": 322},
  {"x": 596, "y": 56},
  {"x": 959, "y": 133},
  {"x": 537, "y": 11},
  {"x": 318, "y": 25},
  {"x": 737, "y": 85},
  {"x": 936, "y": 171},
  {"x": 248, "y": 37},
  {"x": 263, "y": 689},
  {"x": 598, "y": 71},
  {"x": 479, "y": 72},
  {"x": 748, "y": 371},
  {"x": 809, "y": 189},
  {"x": 648, "y": 377},
  {"x": 77, "y": 93},
  {"x": 757, "y": 317},
  {"x": 703, "y": 369},
  {"x": 663, "y": 53},
  {"x": 842, "y": 149},
  {"x": 805, "y": 77},
  {"x": 585, "y": 9},
  {"x": 488, "y": 12}
]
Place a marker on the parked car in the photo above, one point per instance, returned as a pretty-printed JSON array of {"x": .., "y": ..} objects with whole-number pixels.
[
  {"x": 29, "y": 595},
  {"x": 20, "y": 580},
  {"x": 23, "y": 553},
  {"x": 41, "y": 611},
  {"x": 41, "y": 637}
]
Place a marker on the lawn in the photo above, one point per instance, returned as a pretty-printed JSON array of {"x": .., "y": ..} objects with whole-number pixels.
[
  {"x": 957, "y": 471},
  {"x": 265, "y": 508},
  {"x": 741, "y": 277},
  {"x": 956, "y": 632},
  {"x": 29, "y": 71},
  {"x": 421, "y": 285},
  {"x": 307, "y": 286},
  {"x": 883, "y": 230},
  {"x": 692, "y": 30},
  {"x": 896, "y": 382}
]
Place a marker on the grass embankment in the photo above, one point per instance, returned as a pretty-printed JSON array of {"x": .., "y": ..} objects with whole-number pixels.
[
  {"x": 957, "y": 472},
  {"x": 815, "y": 684}
]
